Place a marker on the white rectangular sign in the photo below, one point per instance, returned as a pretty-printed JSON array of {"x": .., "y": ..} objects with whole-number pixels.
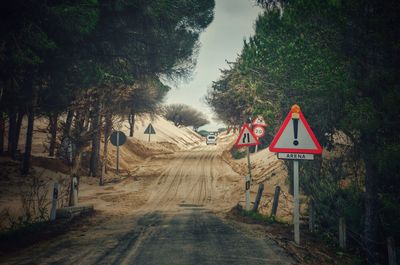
[{"x": 293, "y": 156}]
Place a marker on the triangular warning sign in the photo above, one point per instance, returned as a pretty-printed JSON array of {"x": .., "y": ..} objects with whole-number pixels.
[
  {"x": 259, "y": 121},
  {"x": 295, "y": 136},
  {"x": 150, "y": 130},
  {"x": 246, "y": 137}
]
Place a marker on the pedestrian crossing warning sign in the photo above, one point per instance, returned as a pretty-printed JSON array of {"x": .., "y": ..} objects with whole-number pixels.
[
  {"x": 295, "y": 136},
  {"x": 246, "y": 137}
]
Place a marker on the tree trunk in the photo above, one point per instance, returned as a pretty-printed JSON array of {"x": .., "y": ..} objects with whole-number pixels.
[
  {"x": 2, "y": 132},
  {"x": 53, "y": 121},
  {"x": 12, "y": 126},
  {"x": 20, "y": 117},
  {"x": 107, "y": 132},
  {"x": 68, "y": 123},
  {"x": 131, "y": 123},
  {"x": 96, "y": 135},
  {"x": 29, "y": 133},
  {"x": 78, "y": 135}
]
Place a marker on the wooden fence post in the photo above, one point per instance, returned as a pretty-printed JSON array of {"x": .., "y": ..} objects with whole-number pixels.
[
  {"x": 54, "y": 201},
  {"x": 311, "y": 216},
  {"x": 391, "y": 251},
  {"x": 276, "y": 201},
  {"x": 258, "y": 198},
  {"x": 342, "y": 233}
]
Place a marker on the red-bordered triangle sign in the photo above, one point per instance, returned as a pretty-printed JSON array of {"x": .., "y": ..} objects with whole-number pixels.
[
  {"x": 259, "y": 121},
  {"x": 246, "y": 137},
  {"x": 295, "y": 136}
]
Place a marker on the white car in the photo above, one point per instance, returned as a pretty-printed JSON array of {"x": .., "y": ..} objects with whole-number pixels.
[{"x": 211, "y": 139}]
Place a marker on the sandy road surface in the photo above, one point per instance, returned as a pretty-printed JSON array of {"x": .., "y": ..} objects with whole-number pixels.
[
  {"x": 198, "y": 177},
  {"x": 177, "y": 224}
]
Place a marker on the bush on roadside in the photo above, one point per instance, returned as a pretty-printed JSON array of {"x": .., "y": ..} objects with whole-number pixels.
[{"x": 237, "y": 154}]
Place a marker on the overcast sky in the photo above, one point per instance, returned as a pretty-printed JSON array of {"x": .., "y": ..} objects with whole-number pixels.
[{"x": 222, "y": 40}]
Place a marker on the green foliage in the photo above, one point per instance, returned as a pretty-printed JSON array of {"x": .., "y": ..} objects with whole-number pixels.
[
  {"x": 237, "y": 154},
  {"x": 338, "y": 61},
  {"x": 70, "y": 46},
  {"x": 390, "y": 213},
  {"x": 181, "y": 114},
  {"x": 203, "y": 133},
  {"x": 259, "y": 217}
]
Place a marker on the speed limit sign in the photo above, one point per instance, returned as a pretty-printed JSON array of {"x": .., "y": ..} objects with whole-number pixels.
[{"x": 259, "y": 131}]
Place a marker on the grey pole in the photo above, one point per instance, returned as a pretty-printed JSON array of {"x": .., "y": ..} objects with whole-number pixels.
[
  {"x": 248, "y": 161},
  {"x": 248, "y": 180},
  {"x": 117, "y": 153},
  {"x": 296, "y": 216}
]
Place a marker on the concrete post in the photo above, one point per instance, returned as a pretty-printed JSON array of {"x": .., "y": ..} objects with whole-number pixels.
[
  {"x": 54, "y": 201},
  {"x": 74, "y": 190},
  {"x": 247, "y": 179}
]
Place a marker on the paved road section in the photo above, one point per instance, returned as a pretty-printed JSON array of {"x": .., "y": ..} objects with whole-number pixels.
[{"x": 193, "y": 236}]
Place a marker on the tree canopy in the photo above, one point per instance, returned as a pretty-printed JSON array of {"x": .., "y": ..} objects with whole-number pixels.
[
  {"x": 181, "y": 114},
  {"x": 105, "y": 56},
  {"x": 339, "y": 61}
]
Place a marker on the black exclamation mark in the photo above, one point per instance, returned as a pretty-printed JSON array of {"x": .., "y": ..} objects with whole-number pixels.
[
  {"x": 295, "y": 128},
  {"x": 295, "y": 118}
]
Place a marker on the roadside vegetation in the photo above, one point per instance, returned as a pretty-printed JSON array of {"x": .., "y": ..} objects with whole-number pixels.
[
  {"x": 313, "y": 250},
  {"x": 87, "y": 66},
  {"x": 184, "y": 115},
  {"x": 339, "y": 61}
]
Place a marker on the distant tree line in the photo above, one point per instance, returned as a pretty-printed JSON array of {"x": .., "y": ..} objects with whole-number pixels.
[
  {"x": 339, "y": 60},
  {"x": 181, "y": 114},
  {"x": 81, "y": 63}
]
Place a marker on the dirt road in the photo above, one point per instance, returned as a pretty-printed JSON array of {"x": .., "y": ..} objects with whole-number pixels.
[
  {"x": 177, "y": 224},
  {"x": 197, "y": 177}
]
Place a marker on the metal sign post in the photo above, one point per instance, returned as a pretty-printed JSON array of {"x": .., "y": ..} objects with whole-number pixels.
[
  {"x": 150, "y": 130},
  {"x": 117, "y": 138},
  {"x": 259, "y": 131},
  {"x": 295, "y": 141},
  {"x": 248, "y": 180},
  {"x": 248, "y": 162},
  {"x": 296, "y": 210},
  {"x": 247, "y": 138},
  {"x": 54, "y": 201}
]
